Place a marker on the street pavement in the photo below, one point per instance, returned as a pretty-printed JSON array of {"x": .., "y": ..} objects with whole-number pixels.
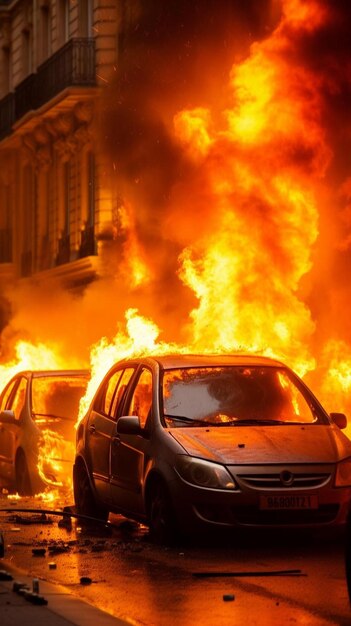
[
  {"x": 146, "y": 585},
  {"x": 56, "y": 605}
]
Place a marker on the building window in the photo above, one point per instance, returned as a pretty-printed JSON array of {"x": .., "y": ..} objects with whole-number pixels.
[
  {"x": 27, "y": 213},
  {"x": 91, "y": 188},
  {"x": 66, "y": 197},
  {"x": 64, "y": 243},
  {"x": 87, "y": 243},
  {"x": 45, "y": 32},
  {"x": 63, "y": 20},
  {"x": 6, "y": 70},
  {"x": 86, "y": 14},
  {"x": 27, "y": 54},
  {"x": 5, "y": 225}
]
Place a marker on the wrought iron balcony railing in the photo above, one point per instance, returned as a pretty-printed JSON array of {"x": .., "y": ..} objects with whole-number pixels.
[
  {"x": 7, "y": 114},
  {"x": 25, "y": 96},
  {"x": 5, "y": 245},
  {"x": 72, "y": 65}
]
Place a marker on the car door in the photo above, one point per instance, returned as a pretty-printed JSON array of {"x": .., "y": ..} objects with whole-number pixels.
[
  {"x": 13, "y": 400},
  {"x": 99, "y": 430},
  {"x": 128, "y": 451},
  {"x": 5, "y": 436}
]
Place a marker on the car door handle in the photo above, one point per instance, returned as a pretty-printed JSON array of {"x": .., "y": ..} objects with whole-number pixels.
[
  {"x": 92, "y": 428},
  {"x": 116, "y": 441}
]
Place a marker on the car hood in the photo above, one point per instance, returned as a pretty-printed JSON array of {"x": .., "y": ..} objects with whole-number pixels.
[{"x": 265, "y": 444}]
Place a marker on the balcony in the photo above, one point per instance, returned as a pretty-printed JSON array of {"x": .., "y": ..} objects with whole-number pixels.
[
  {"x": 7, "y": 114},
  {"x": 25, "y": 96},
  {"x": 5, "y": 245},
  {"x": 73, "y": 65}
]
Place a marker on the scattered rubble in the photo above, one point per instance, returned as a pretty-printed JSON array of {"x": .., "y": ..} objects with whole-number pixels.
[
  {"x": 38, "y": 551},
  {"x": 32, "y": 519}
]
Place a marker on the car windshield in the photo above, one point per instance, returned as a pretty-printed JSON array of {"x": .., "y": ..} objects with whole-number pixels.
[
  {"x": 239, "y": 395},
  {"x": 57, "y": 396}
]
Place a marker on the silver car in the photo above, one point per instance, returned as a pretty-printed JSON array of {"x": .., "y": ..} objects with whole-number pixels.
[
  {"x": 38, "y": 412},
  {"x": 187, "y": 443}
]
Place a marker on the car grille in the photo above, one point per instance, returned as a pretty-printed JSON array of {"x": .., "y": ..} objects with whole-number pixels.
[
  {"x": 250, "y": 515},
  {"x": 273, "y": 481}
]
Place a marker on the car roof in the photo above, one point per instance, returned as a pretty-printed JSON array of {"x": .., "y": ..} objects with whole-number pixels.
[
  {"x": 41, "y": 373},
  {"x": 175, "y": 361}
]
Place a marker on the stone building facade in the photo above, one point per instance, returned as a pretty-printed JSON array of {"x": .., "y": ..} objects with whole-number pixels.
[{"x": 55, "y": 58}]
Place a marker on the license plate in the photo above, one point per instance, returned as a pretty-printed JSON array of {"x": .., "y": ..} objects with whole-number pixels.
[{"x": 288, "y": 502}]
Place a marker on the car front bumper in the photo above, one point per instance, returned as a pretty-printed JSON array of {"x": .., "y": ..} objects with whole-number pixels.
[{"x": 279, "y": 507}]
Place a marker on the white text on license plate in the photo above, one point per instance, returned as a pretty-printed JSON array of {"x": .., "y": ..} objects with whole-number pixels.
[{"x": 289, "y": 502}]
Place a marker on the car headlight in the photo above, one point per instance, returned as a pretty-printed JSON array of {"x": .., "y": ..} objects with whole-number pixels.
[
  {"x": 343, "y": 473},
  {"x": 204, "y": 473}
]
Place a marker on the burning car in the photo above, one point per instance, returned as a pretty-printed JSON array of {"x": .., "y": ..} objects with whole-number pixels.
[
  {"x": 186, "y": 443},
  {"x": 38, "y": 411}
]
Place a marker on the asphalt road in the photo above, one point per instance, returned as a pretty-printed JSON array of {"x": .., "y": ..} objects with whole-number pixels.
[{"x": 150, "y": 585}]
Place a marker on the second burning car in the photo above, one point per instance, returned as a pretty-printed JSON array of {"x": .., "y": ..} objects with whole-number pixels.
[
  {"x": 199, "y": 442},
  {"x": 38, "y": 411}
]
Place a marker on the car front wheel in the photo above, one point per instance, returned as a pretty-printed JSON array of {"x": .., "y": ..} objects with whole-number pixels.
[
  {"x": 84, "y": 498},
  {"x": 162, "y": 522}
]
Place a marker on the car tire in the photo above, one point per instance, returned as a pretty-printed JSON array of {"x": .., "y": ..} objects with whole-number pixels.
[
  {"x": 162, "y": 522},
  {"x": 84, "y": 498},
  {"x": 23, "y": 480}
]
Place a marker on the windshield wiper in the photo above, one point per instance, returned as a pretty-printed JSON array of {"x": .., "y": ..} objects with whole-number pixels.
[
  {"x": 188, "y": 420},
  {"x": 258, "y": 422}
]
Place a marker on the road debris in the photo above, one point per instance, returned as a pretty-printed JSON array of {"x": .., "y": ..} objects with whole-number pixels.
[
  {"x": 19, "y": 587},
  {"x": 38, "y": 551},
  {"x": 283, "y": 572},
  {"x": 228, "y": 597},
  {"x": 85, "y": 580},
  {"x": 32, "y": 519},
  {"x": 66, "y": 512},
  {"x": 35, "y": 598}
]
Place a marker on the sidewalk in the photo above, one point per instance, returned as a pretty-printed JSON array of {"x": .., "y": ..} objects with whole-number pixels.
[{"x": 63, "y": 609}]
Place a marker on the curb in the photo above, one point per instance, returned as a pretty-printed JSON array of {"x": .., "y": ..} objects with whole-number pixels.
[{"x": 62, "y": 604}]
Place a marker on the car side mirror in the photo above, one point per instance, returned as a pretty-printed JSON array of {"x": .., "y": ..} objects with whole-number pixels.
[
  {"x": 129, "y": 425},
  {"x": 339, "y": 419},
  {"x": 7, "y": 417}
]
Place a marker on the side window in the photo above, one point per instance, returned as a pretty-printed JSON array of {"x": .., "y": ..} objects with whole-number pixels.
[
  {"x": 141, "y": 401},
  {"x": 19, "y": 398},
  {"x": 6, "y": 396},
  {"x": 107, "y": 395},
  {"x": 120, "y": 391}
]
